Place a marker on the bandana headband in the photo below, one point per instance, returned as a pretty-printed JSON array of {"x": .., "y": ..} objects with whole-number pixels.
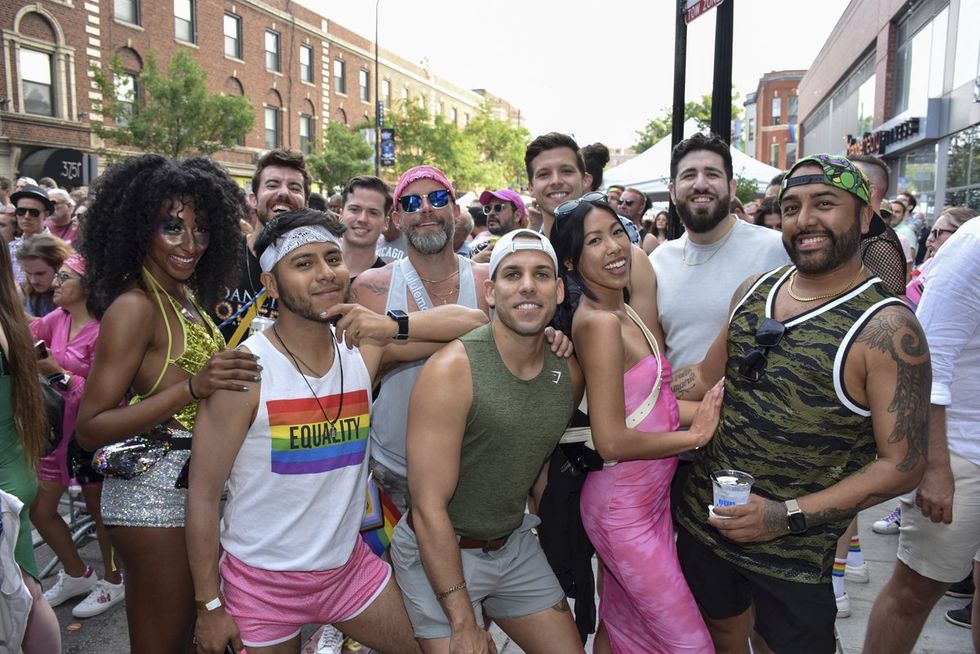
[{"x": 293, "y": 239}]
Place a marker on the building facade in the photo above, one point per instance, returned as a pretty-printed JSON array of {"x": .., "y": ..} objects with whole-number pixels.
[
  {"x": 901, "y": 80},
  {"x": 771, "y": 117},
  {"x": 298, "y": 68}
]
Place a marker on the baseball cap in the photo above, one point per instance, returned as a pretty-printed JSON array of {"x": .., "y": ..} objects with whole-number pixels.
[
  {"x": 838, "y": 171},
  {"x": 34, "y": 192},
  {"x": 422, "y": 172},
  {"x": 506, "y": 195},
  {"x": 520, "y": 239}
]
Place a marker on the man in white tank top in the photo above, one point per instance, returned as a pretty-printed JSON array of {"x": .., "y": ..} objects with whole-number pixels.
[{"x": 293, "y": 447}]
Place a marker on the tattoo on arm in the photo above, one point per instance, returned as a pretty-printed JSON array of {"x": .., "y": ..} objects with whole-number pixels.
[
  {"x": 376, "y": 287},
  {"x": 774, "y": 518},
  {"x": 846, "y": 513},
  {"x": 683, "y": 382},
  {"x": 899, "y": 335}
]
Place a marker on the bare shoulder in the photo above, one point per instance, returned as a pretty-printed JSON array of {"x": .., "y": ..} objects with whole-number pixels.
[
  {"x": 449, "y": 364},
  {"x": 370, "y": 289},
  {"x": 134, "y": 311},
  {"x": 591, "y": 325},
  {"x": 481, "y": 272},
  {"x": 894, "y": 331}
]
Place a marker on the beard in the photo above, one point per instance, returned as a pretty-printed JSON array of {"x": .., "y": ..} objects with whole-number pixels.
[
  {"x": 431, "y": 242},
  {"x": 842, "y": 248},
  {"x": 303, "y": 306},
  {"x": 700, "y": 219}
]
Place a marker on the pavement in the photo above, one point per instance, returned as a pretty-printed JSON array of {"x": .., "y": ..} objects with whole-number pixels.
[{"x": 107, "y": 633}]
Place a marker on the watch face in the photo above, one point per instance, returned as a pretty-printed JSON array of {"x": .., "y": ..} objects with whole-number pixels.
[
  {"x": 397, "y": 314},
  {"x": 797, "y": 523}
]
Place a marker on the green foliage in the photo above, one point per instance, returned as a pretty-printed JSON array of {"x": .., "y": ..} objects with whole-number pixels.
[
  {"x": 344, "y": 154},
  {"x": 661, "y": 126},
  {"x": 175, "y": 115},
  {"x": 745, "y": 190}
]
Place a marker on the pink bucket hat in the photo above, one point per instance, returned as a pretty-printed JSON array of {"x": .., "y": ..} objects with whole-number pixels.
[
  {"x": 422, "y": 172},
  {"x": 506, "y": 195}
]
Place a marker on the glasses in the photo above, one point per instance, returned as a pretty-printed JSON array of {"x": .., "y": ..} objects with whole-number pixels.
[
  {"x": 936, "y": 233},
  {"x": 566, "y": 208},
  {"x": 496, "y": 208},
  {"x": 27, "y": 211},
  {"x": 62, "y": 277},
  {"x": 767, "y": 336},
  {"x": 413, "y": 203},
  {"x": 627, "y": 203}
]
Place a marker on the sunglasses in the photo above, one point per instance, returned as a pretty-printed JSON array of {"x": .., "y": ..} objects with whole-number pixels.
[
  {"x": 566, "y": 208},
  {"x": 496, "y": 208},
  {"x": 26, "y": 211},
  {"x": 627, "y": 203},
  {"x": 767, "y": 336},
  {"x": 62, "y": 277},
  {"x": 413, "y": 203},
  {"x": 936, "y": 233}
]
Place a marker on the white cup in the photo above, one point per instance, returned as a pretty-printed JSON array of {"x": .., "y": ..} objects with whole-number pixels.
[{"x": 731, "y": 487}]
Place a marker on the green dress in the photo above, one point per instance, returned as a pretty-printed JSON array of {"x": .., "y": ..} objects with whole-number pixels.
[{"x": 16, "y": 476}]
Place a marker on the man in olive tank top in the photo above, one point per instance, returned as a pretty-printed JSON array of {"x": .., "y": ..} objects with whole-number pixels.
[
  {"x": 485, "y": 415},
  {"x": 827, "y": 380}
]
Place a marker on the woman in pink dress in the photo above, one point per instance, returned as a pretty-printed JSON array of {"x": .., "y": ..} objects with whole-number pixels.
[{"x": 644, "y": 601}]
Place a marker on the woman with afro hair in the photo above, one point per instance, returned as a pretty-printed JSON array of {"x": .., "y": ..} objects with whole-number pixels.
[{"x": 161, "y": 241}]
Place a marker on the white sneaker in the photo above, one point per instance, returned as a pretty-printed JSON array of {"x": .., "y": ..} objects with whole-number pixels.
[
  {"x": 843, "y": 606},
  {"x": 890, "y": 524},
  {"x": 68, "y": 587},
  {"x": 103, "y": 597},
  {"x": 331, "y": 641},
  {"x": 857, "y": 573}
]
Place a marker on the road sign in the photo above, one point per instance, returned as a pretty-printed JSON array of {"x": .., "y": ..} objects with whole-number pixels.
[{"x": 696, "y": 8}]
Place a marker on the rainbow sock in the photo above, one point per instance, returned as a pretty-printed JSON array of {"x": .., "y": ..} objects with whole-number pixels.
[
  {"x": 838, "y": 576},
  {"x": 854, "y": 556}
]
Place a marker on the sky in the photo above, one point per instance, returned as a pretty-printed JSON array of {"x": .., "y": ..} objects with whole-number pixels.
[{"x": 597, "y": 70}]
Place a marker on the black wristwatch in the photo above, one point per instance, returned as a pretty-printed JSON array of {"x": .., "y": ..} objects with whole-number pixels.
[
  {"x": 795, "y": 519},
  {"x": 401, "y": 318}
]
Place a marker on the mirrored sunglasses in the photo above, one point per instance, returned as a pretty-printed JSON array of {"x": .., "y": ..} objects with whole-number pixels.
[{"x": 413, "y": 203}]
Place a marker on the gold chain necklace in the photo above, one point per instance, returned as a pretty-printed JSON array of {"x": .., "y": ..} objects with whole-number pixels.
[
  {"x": 439, "y": 281},
  {"x": 444, "y": 297},
  {"x": 724, "y": 240},
  {"x": 798, "y": 298}
]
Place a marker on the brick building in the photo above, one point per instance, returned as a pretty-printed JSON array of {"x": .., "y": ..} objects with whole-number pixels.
[
  {"x": 771, "y": 118},
  {"x": 297, "y": 67}
]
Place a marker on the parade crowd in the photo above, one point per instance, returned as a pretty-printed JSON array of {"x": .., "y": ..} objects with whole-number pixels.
[{"x": 402, "y": 419}]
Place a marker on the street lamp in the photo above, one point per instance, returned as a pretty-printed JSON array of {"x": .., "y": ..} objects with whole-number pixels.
[{"x": 377, "y": 98}]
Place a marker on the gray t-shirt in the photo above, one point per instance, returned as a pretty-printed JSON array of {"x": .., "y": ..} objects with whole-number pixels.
[{"x": 695, "y": 284}]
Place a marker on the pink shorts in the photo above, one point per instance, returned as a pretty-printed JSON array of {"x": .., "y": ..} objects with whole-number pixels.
[{"x": 271, "y": 606}]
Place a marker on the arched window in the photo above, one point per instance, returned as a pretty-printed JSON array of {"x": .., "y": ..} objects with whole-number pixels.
[{"x": 45, "y": 67}]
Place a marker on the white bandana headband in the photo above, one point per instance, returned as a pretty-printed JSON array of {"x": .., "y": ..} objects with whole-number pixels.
[{"x": 293, "y": 239}]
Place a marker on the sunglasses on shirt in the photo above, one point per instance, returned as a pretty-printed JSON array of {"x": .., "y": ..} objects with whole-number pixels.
[
  {"x": 27, "y": 211},
  {"x": 767, "y": 336},
  {"x": 496, "y": 208},
  {"x": 413, "y": 203}
]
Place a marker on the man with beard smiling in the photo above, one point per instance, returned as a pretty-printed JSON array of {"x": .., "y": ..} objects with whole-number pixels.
[{"x": 827, "y": 380}]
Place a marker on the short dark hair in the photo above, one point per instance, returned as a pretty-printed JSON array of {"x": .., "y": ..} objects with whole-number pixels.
[
  {"x": 596, "y": 157},
  {"x": 767, "y": 207},
  {"x": 290, "y": 220},
  {"x": 777, "y": 180},
  {"x": 316, "y": 201},
  {"x": 699, "y": 141},
  {"x": 286, "y": 159},
  {"x": 878, "y": 164},
  {"x": 550, "y": 141},
  {"x": 912, "y": 201},
  {"x": 371, "y": 183}
]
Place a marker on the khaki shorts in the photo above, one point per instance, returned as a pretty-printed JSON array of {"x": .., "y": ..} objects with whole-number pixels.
[
  {"x": 936, "y": 550},
  {"x": 511, "y": 582}
]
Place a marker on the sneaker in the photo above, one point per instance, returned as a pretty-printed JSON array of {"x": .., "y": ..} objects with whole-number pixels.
[
  {"x": 67, "y": 587},
  {"x": 961, "y": 588},
  {"x": 103, "y": 597},
  {"x": 889, "y": 524},
  {"x": 843, "y": 606},
  {"x": 857, "y": 573},
  {"x": 331, "y": 641},
  {"x": 960, "y": 617}
]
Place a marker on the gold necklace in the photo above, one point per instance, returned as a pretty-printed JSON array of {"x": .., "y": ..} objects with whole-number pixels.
[
  {"x": 798, "y": 298},
  {"x": 444, "y": 296},
  {"x": 439, "y": 281},
  {"x": 724, "y": 240}
]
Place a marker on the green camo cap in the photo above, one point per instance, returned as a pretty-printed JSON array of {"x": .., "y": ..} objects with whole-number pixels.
[{"x": 837, "y": 171}]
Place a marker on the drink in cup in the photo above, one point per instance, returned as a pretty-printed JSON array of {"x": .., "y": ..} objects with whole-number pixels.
[{"x": 731, "y": 487}]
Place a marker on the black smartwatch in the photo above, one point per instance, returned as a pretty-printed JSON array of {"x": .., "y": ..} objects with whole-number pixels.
[
  {"x": 401, "y": 318},
  {"x": 795, "y": 519}
]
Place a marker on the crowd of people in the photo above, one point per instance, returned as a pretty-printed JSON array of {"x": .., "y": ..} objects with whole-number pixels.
[{"x": 403, "y": 418}]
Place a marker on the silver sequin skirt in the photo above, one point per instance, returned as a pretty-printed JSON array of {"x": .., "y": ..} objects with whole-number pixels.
[{"x": 149, "y": 500}]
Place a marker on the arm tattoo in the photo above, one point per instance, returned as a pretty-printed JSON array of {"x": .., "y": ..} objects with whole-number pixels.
[
  {"x": 834, "y": 514},
  {"x": 900, "y": 336},
  {"x": 774, "y": 518},
  {"x": 684, "y": 381},
  {"x": 377, "y": 288}
]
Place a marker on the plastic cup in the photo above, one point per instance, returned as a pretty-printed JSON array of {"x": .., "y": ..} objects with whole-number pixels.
[{"x": 731, "y": 487}]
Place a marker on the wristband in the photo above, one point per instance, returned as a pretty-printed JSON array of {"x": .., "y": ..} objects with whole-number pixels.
[
  {"x": 190, "y": 389},
  {"x": 210, "y": 605},
  {"x": 449, "y": 591}
]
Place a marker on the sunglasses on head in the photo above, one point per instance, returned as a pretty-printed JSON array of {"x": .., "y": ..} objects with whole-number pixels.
[
  {"x": 413, "y": 203},
  {"x": 566, "y": 208},
  {"x": 27, "y": 211},
  {"x": 496, "y": 208},
  {"x": 767, "y": 336}
]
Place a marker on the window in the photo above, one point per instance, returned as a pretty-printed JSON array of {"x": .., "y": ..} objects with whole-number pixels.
[
  {"x": 919, "y": 62},
  {"x": 306, "y": 63},
  {"x": 272, "y": 51},
  {"x": 386, "y": 92},
  {"x": 966, "y": 63},
  {"x": 36, "y": 86},
  {"x": 790, "y": 155},
  {"x": 184, "y": 20},
  {"x": 127, "y": 11},
  {"x": 305, "y": 133},
  {"x": 233, "y": 36},
  {"x": 364, "y": 78},
  {"x": 793, "y": 109},
  {"x": 777, "y": 111},
  {"x": 466, "y": 120},
  {"x": 271, "y": 127},
  {"x": 751, "y": 136},
  {"x": 455, "y": 116},
  {"x": 442, "y": 108},
  {"x": 774, "y": 155},
  {"x": 339, "y": 76},
  {"x": 127, "y": 95}
]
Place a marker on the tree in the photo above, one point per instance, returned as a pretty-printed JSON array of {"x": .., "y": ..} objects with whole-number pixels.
[
  {"x": 700, "y": 111},
  {"x": 174, "y": 115},
  {"x": 501, "y": 146},
  {"x": 746, "y": 189},
  {"x": 344, "y": 154}
]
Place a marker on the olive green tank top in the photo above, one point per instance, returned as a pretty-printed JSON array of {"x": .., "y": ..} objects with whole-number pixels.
[{"x": 512, "y": 427}]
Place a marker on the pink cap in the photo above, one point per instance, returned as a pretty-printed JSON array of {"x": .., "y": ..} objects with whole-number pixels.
[
  {"x": 423, "y": 172},
  {"x": 506, "y": 195},
  {"x": 77, "y": 263}
]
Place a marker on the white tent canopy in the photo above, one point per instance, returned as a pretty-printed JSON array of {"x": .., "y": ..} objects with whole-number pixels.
[{"x": 649, "y": 171}]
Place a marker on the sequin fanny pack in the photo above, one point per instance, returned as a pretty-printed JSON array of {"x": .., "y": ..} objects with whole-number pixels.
[{"x": 135, "y": 455}]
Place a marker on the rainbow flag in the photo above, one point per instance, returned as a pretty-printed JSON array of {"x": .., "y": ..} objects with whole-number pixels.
[
  {"x": 379, "y": 538},
  {"x": 304, "y": 442}
]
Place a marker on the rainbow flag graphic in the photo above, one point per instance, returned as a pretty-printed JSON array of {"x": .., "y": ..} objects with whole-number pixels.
[
  {"x": 304, "y": 443},
  {"x": 378, "y": 537}
]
